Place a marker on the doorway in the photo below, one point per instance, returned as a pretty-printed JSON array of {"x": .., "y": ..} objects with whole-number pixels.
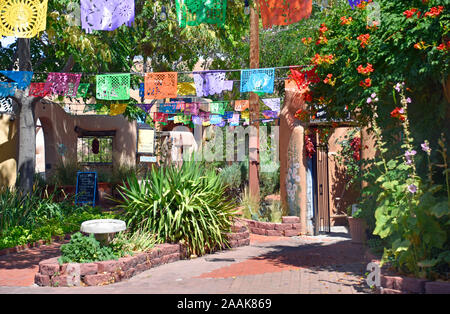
[{"x": 321, "y": 189}]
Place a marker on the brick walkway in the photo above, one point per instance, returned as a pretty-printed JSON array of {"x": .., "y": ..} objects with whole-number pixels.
[{"x": 269, "y": 265}]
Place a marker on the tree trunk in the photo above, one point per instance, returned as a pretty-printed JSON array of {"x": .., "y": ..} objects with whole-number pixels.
[
  {"x": 26, "y": 163},
  {"x": 27, "y": 126}
]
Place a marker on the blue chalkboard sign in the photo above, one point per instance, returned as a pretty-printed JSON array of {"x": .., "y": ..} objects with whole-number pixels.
[{"x": 86, "y": 188}]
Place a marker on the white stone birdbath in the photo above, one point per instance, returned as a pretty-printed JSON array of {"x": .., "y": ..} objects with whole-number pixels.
[{"x": 103, "y": 229}]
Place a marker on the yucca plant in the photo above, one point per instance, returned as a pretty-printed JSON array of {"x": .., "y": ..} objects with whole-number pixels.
[{"x": 185, "y": 204}]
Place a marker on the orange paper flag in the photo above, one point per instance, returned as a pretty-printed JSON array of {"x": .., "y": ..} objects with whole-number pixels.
[
  {"x": 241, "y": 105},
  {"x": 285, "y": 12}
]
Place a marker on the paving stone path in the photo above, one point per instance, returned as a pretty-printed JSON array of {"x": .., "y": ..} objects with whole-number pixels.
[{"x": 273, "y": 265}]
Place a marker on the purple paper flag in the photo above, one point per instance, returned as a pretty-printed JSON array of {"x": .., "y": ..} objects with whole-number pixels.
[
  {"x": 209, "y": 83},
  {"x": 272, "y": 103},
  {"x": 354, "y": 3},
  {"x": 145, "y": 107},
  {"x": 197, "y": 120},
  {"x": 191, "y": 109},
  {"x": 269, "y": 114},
  {"x": 106, "y": 15}
]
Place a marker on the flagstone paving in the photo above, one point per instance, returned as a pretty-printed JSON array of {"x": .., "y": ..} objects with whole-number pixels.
[{"x": 270, "y": 265}]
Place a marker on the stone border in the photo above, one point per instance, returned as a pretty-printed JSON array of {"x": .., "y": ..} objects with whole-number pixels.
[
  {"x": 51, "y": 273},
  {"x": 289, "y": 227},
  {"x": 410, "y": 285}
]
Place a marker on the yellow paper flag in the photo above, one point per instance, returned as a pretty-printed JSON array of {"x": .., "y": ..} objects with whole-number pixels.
[
  {"x": 116, "y": 109},
  {"x": 22, "y": 18},
  {"x": 185, "y": 89}
]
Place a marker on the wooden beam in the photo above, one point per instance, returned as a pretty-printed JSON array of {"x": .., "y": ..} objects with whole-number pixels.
[{"x": 254, "y": 104}]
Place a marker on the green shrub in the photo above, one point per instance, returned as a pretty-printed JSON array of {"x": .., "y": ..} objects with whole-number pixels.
[
  {"x": 28, "y": 210},
  {"x": 250, "y": 205},
  {"x": 65, "y": 173},
  {"x": 180, "y": 204},
  {"x": 85, "y": 249},
  {"x": 234, "y": 177},
  {"x": 127, "y": 243}
]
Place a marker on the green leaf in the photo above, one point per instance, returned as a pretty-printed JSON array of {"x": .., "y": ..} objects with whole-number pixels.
[{"x": 441, "y": 209}]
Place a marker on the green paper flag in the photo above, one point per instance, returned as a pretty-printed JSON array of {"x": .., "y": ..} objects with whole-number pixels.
[{"x": 113, "y": 86}]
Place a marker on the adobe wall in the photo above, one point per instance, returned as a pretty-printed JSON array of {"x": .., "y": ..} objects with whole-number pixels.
[
  {"x": 8, "y": 148},
  {"x": 59, "y": 128}
]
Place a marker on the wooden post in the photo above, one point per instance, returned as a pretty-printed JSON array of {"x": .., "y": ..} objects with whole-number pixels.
[{"x": 254, "y": 105}]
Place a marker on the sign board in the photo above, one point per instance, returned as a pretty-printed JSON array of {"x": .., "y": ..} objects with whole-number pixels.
[
  {"x": 146, "y": 141},
  {"x": 147, "y": 159},
  {"x": 86, "y": 188}
]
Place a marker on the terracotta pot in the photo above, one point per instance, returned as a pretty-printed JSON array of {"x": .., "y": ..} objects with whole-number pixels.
[
  {"x": 358, "y": 228},
  {"x": 104, "y": 191}
]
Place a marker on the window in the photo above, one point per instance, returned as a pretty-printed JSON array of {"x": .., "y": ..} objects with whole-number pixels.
[{"x": 88, "y": 154}]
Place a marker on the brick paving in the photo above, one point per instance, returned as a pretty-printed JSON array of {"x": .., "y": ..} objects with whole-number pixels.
[{"x": 273, "y": 265}]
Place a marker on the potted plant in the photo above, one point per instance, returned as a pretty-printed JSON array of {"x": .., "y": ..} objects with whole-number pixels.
[{"x": 357, "y": 225}]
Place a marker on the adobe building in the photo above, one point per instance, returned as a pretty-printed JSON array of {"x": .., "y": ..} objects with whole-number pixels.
[{"x": 314, "y": 188}]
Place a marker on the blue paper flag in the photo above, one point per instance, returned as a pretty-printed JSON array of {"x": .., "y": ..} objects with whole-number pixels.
[
  {"x": 22, "y": 78},
  {"x": 354, "y": 3},
  {"x": 7, "y": 89},
  {"x": 258, "y": 80},
  {"x": 142, "y": 90},
  {"x": 168, "y": 108},
  {"x": 215, "y": 119}
]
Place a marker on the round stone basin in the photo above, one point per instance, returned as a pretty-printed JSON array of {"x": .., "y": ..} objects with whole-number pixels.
[{"x": 103, "y": 229}]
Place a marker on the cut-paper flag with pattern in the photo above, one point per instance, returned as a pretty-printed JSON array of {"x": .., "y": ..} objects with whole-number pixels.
[
  {"x": 195, "y": 12},
  {"x": 241, "y": 105},
  {"x": 218, "y": 107},
  {"x": 38, "y": 90},
  {"x": 169, "y": 108},
  {"x": 186, "y": 89},
  {"x": 191, "y": 109},
  {"x": 116, "y": 109},
  {"x": 211, "y": 83},
  {"x": 23, "y": 18},
  {"x": 113, "y": 86},
  {"x": 234, "y": 121},
  {"x": 161, "y": 85},
  {"x": 269, "y": 114},
  {"x": 7, "y": 89},
  {"x": 145, "y": 107},
  {"x": 106, "y": 15},
  {"x": 6, "y": 106},
  {"x": 63, "y": 84},
  {"x": 284, "y": 12},
  {"x": 82, "y": 90},
  {"x": 354, "y": 3},
  {"x": 197, "y": 120},
  {"x": 258, "y": 80},
  {"x": 22, "y": 79},
  {"x": 215, "y": 119},
  {"x": 160, "y": 117},
  {"x": 273, "y": 103}
]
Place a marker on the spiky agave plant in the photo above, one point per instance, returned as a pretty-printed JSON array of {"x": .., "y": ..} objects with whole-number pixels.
[{"x": 180, "y": 204}]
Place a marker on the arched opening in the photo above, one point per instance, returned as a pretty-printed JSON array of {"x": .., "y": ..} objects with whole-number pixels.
[{"x": 40, "y": 149}]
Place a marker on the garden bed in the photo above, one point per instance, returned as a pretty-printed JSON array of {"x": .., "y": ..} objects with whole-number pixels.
[
  {"x": 51, "y": 273},
  {"x": 20, "y": 248},
  {"x": 289, "y": 227}
]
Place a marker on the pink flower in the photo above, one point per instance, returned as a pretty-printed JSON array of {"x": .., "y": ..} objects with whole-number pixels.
[
  {"x": 426, "y": 148},
  {"x": 412, "y": 188}
]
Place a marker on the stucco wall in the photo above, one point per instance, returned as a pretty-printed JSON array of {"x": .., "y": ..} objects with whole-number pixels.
[
  {"x": 59, "y": 128},
  {"x": 8, "y": 147}
]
